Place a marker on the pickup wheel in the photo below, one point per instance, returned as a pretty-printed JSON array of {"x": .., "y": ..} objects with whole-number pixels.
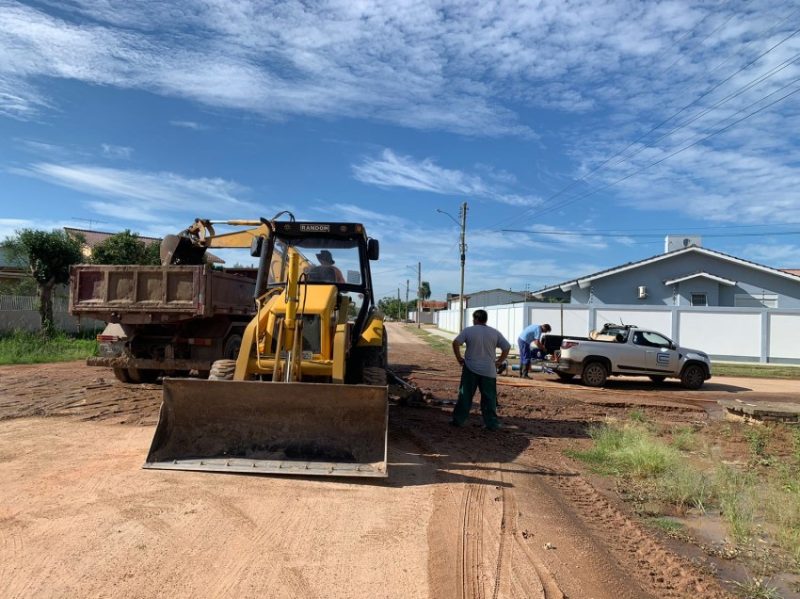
[
  {"x": 594, "y": 374},
  {"x": 693, "y": 376},
  {"x": 565, "y": 376},
  {"x": 657, "y": 378}
]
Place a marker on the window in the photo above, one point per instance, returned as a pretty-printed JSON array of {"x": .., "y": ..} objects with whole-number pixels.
[
  {"x": 649, "y": 339},
  {"x": 699, "y": 299},
  {"x": 762, "y": 300}
]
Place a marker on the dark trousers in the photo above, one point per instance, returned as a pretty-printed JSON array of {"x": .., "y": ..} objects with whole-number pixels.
[{"x": 469, "y": 383}]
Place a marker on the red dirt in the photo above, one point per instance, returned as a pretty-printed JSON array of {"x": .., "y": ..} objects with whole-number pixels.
[{"x": 465, "y": 513}]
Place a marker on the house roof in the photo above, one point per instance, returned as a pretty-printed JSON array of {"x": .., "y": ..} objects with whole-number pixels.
[
  {"x": 93, "y": 238},
  {"x": 434, "y": 304},
  {"x": 792, "y": 271},
  {"x": 703, "y": 275},
  {"x": 585, "y": 281}
]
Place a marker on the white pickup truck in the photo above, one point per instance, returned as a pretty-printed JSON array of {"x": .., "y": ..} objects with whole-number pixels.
[{"x": 628, "y": 350}]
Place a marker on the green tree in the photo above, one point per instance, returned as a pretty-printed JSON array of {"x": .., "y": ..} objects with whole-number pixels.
[
  {"x": 395, "y": 308},
  {"x": 125, "y": 248},
  {"x": 424, "y": 290},
  {"x": 49, "y": 256}
]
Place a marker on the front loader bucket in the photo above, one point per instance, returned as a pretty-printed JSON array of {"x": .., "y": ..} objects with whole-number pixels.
[{"x": 307, "y": 429}]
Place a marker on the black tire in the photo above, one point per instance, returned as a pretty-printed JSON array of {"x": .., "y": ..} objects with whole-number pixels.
[
  {"x": 657, "y": 378},
  {"x": 565, "y": 376},
  {"x": 374, "y": 370},
  {"x": 693, "y": 376},
  {"x": 595, "y": 374},
  {"x": 222, "y": 370},
  {"x": 140, "y": 375},
  {"x": 230, "y": 350},
  {"x": 121, "y": 375}
]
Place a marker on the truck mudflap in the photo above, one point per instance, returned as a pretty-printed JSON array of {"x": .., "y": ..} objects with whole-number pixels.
[{"x": 305, "y": 429}]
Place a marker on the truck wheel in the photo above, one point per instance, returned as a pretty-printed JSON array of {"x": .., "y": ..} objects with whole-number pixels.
[
  {"x": 222, "y": 370},
  {"x": 657, "y": 378},
  {"x": 140, "y": 375},
  {"x": 594, "y": 374},
  {"x": 232, "y": 346},
  {"x": 565, "y": 376},
  {"x": 121, "y": 375},
  {"x": 693, "y": 376}
]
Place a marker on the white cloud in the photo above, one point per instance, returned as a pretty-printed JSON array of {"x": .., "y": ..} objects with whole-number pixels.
[
  {"x": 776, "y": 255},
  {"x": 144, "y": 196},
  {"x": 391, "y": 170},
  {"x": 118, "y": 152},
  {"x": 188, "y": 125}
]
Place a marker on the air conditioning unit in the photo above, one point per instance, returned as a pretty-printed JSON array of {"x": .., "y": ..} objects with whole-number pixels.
[
  {"x": 678, "y": 242},
  {"x": 642, "y": 292}
]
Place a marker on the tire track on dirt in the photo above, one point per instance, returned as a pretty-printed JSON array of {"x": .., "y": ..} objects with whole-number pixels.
[{"x": 470, "y": 541}]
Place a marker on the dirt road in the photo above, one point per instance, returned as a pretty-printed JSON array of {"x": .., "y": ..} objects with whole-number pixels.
[{"x": 465, "y": 513}]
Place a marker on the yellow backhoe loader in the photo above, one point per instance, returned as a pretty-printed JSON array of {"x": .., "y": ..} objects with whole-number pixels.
[{"x": 307, "y": 394}]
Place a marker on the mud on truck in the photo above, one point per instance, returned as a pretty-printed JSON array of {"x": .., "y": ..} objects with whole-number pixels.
[{"x": 174, "y": 319}]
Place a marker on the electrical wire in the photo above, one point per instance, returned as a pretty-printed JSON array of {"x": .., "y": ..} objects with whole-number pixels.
[{"x": 572, "y": 184}]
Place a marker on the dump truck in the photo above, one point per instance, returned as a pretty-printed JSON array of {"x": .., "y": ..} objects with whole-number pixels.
[
  {"x": 162, "y": 319},
  {"x": 307, "y": 393},
  {"x": 176, "y": 318}
]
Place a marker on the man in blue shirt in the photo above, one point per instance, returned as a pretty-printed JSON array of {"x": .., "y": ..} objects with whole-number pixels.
[
  {"x": 531, "y": 335},
  {"x": 480, "y": 363}
]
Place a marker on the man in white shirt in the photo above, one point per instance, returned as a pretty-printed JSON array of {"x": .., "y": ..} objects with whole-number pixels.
[{"x": 480, "y": 364}]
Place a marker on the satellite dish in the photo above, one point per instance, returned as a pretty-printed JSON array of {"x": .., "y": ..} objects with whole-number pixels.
[{"x": 686, "y": 242}]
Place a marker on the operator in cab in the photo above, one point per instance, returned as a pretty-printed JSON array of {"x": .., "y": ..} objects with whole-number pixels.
[{"x": 325, "y": 271}]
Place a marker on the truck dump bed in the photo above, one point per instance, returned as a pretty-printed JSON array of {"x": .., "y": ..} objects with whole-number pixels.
[{"x": 157, "y": 294}]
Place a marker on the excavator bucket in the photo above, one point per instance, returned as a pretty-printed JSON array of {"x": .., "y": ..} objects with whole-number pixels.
[{"x": 306, "y": 429}]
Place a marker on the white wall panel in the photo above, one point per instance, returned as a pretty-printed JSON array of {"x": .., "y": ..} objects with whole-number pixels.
[
  {"x": 784, "y": 336},
  {"x": 722, "y": 333},
  {"x": 576, "y": 320}
]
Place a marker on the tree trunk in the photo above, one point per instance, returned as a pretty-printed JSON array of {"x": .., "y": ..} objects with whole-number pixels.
[{"x": 46, "y": 308}]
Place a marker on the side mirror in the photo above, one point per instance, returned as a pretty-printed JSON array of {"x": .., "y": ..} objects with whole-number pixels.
[
  {"x": 373, "y": 249},
  {"x": 256, "y": 245}
]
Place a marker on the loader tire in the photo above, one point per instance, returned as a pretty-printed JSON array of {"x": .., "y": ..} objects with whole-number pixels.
[{"x": 222, "y": 370}]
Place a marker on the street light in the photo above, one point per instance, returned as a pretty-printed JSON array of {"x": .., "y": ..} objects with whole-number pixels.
[{"x": 462, "y": 248}]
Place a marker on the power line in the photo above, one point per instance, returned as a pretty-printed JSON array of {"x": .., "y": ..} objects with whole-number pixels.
[
  {"x": 651, "y": 130},
  {"x": 676, "y": 152},
  {"x": 643, "y": 235}
]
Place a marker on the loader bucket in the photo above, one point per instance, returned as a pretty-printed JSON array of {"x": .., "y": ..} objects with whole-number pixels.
[{"x": 307, "y": 429}]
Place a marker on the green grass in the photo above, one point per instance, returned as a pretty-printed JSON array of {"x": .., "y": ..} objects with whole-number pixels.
[
  {"x": 758, "y": 500},
  {"x": 756, "y": 371},
  {"x": 437, "y": 342},
  {"x": 31, "y": 348}
]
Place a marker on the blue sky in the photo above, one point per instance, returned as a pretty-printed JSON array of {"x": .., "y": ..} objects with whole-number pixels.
[{"x": 610, "y": 119}]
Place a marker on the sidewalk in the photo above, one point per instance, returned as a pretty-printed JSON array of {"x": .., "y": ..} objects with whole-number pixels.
[{"x": 514, "y": 353}]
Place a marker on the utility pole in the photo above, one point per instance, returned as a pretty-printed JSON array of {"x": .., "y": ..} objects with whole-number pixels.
[
  {"x": 406, "y": 308},
  {"x": 399, "y": 306},
  {"x": 463, "y": 249},
  {"x": 419, "y": 288}
]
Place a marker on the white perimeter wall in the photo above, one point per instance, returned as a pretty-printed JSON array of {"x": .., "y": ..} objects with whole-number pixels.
[{"x": 746, "y": 334}]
